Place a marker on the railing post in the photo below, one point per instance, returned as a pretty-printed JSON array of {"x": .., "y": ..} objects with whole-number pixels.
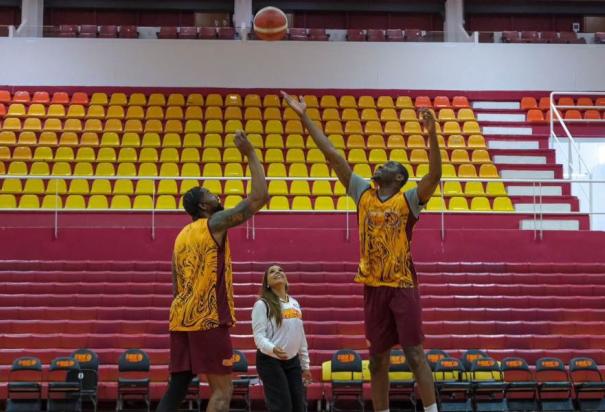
[
  {"x": 56, "y": 231},
  {"x": 442, "y": 212},
  {"x": 153, "y": 212}
]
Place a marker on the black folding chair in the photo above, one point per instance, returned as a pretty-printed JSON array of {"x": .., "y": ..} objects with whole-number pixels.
[
  {"x": 487, "y": 386},
  {"x": 64, "y": 393},
  {"x": 24, "y": 385},
  {"x": 241, "y": 383},
  {"x": 453, "y": 395},
  {"x": 88, "y": 375},
  {"x": 588, "y": 384},
  {"x": 554, "y": 387},
  {"x": 346, "y": 379},
  {"x": 133, "y": 381},
  {"x": 401, "y": 381},
  {"x": 521, "y": 391}
]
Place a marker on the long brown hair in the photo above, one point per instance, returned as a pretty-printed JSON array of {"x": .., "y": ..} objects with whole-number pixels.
[{"x": 271, "y": 299}]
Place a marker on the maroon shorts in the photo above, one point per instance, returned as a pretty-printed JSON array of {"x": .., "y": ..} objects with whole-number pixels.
[
  {"x": 207, "y": 351},
  {"x": 392, "y": 316}
]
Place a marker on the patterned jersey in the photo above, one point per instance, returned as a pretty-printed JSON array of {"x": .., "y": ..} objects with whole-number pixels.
[
  {"x": 195, "y": 261},
  {"x": 385, "y": 233}
]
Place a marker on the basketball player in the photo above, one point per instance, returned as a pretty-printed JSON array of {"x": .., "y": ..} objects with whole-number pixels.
[
  {"x": 202, "y": 310},
  {"x": 386, "y": 218}
]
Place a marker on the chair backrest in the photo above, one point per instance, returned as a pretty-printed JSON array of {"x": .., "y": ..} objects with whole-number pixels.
[
  {"x": 551, "y": 369},
  {"x": 434, "y": 355},
  {"x": 89, "y": 366},
  {"x": 398, "y": 361},
  {"x": 64, "y": 363},
  {"x": 26, "y": 363},
  {"x": 346, "y": 364},
  {"x": 134, "y": 360},
  {"x": 240, "y": 363},
  {"x": 485, "y": 369},
  {"x": 584, "y": 370},
  {"x": 516, "y": 369},
  {"x": 448, "y": 369},
  {"x": 470, "y": 355}
]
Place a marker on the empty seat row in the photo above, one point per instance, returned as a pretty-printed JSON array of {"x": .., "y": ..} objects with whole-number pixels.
[
  {"x": 385, "y": 35},
  {"x": 92, "y": 31},
  {"x": 217, "y": 113},
  {"x": 541, "y": 37},
  {"x": 20, "y": 168},
  {"x": 537, "y": 115},
  {"x": 567, "y": 101},
  {"x": 233, "y": 99},
  {"x": 478, "y": 204},
  {"x": 194, "y": 32}
]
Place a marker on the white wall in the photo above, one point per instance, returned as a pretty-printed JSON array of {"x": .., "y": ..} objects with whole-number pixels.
[{"x": 192, "y": 63}]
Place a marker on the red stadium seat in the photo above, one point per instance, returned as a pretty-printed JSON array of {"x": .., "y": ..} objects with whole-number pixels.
[
  {"x": 226, "y": 33},
  {"x": 108, "y": 32},
  {"x": 296, "y": 33},
  {"x": 318, "y": 35},
  {"x": 167, "y": 32},
  {"x": 510, "y": 37},
  {"x": 376, "y": 35},
  {"x": 528, "y": 103},
  {"x": 356, "y": 35},
  {"x": 394, "y": 35},
  {"x": 68, "y": 30},
  {"x": 88, "y": 31},
  {"x": 549, "y": 37},
  {"x": 530, "y": 36},
  {"x": 128, "y": 32},
  {"x": 599, "y": 37},
  {"x": 412, "y": 35},
  {"x": 206, "y": 33}
]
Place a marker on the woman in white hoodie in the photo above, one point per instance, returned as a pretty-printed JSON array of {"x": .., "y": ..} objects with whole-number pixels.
[{"x": 282, "y": 358}]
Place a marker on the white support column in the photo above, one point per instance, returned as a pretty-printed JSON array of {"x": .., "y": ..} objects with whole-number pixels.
[
  {"x": 32, "y": 18},
  {"x": 454, "y": 21},
  {"x": 242, "y": 17}
]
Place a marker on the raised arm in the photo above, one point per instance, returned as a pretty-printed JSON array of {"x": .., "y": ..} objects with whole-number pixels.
[
  {"x": 335, "y": 160},
  {"x": 429, "y": 182},
  {"x": 258, "y": 196}
]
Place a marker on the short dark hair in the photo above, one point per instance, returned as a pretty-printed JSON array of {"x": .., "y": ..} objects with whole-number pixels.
[
  {"x": 191, "y": 201},
  {"x": 404, "y": 172}
]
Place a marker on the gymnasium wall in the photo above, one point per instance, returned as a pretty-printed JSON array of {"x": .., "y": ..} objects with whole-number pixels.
[{"x": 193, "y": 63}]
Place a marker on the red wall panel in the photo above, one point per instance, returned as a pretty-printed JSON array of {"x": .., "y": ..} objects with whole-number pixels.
[
  {"x": 521, "y": 22},
  {"x": 364, "y": 20},
  {"x": 10, "y": 16},
  {"x": 56, "y": 17}
]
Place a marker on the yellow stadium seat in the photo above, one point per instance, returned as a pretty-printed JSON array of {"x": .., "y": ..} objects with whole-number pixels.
[
  {"x": 274, "y": 156},
  {"x": 137, "y": 99},
  {"x": 279, "y": 203},
  {"x": 323, "y": 203},
  {"x": 476, "y": 141},
  {"x": 316, "y": 156},
  {"x": 254, "y": 113},
  {"x": 169, "y": 155},
  {"x": 165, "y": 202},
  {"x": 328, "y": 101},
  {"x": 145, "y": 187},
  {"x": 422, "y": 169},
  {"x": 35, "y": 110},
  {"x": 169, "y": 169},
  {"x": 333, "y": 127},
  {"x": 192, "y": 155},
  {"x": 273, "y": 141},
  {"x": 345, "y": 203},
  {"x": 87, "y": 139},
  {"x": 232, "y": 201},
  {"x": 33, "y": 186},
  {"x": 503, "y": 204},
  {"x": 151, "y": 140},
  {"x": 143, "y": 202},
  {"x": 374, "y": 127},
  {"x": 376, "y": 141},
  {"x": 110, "y": 139},
  {"x": 488, "y": 170},
  {"x": 148, "y": 169},
  {"x": 436, "y": 203},
  {"x": 481, "y": 156},
  {"x": 232, "y": 170},
  {"x": 118, "y": 99},
  {"x": 480, "y": 204},
  {"x": 193, "y": 140},
  {"x": 193, "y": 169},
  {"x": 466, "y": 115},
  {"x": 156, "y": 99},
  {"x": 105, "y": 169},
  {"x": 79, "y": 187},
  {"x": 51, "y": 202},
  {"x": 20, "y": 168},
  {"x": 170, "y": 140},
  {"x": 153, "y": 113},
  {"x": 298, "y": 170},
  {"x": 83, "y": 169},
  {"x": 294, "y": 156},
  {"x": 5, "y": 153},
  {"x": 120, "y": 202},
  {"x": 176, "y": 99},
  {"x": 471, "y": 127},
  {"x": 212, "y": 185},
  {"x": 377, "y": 156},
  {"x": 408, "y": 115},
  {"x": 404, "y": 102},
  {"x": 186, "y": 185},
  {"x": 27, "y": 138},
  {"x": 319, "y": 170},
  {"x": 48, "y": 138},
  {"x": 451, "y": 188},
  {"x": 278, "y": 188},
  {"x": 11, "y": 124},
  {"x": 95, "y": 112},
  {"x": 56, "y": 186},
  {"x": 213, "y": 140},
  {"x": 295, "y": 141},
  {"x": 398, "y": 155},
  {"x": 460, "y": 156},
  {"x": 253, "y": 126},
  {"x": 231, "y": 126},
  {"x": 391, "y": 127},
  {"x": 195, "y": 99},
  {"x": 127, "y": 169},
  {"x": 322, "y": 188},
  {"x": 274, "y": 127},
  {"x": 413, "y": 127},
  {"x": 232, "y": 99},
  {"x": 346, "y": 102},
  {"x": 474, "y": 189},
  {"x": 233, "y": 155},
  {"x": 212, "y": 126},
  {"x": 137, "y": 112},
  {"x": 301, "y": 203},
  {"x": 2, "y": 168},
  {"x": 115, "y": 112},
  {"x": 347, "y": 115},
  {"x": 194, "y": 113},
  {"x": 12, "y": 186},
  {"x": 363, "y": 170},
  {"x": 254, "y": 100},
  {"x": 366, "y": 102},
  {"x": 419, "y": 156},
  {"x": 214, "y": 99},
  {"x": 451, "y": 128},
  {"x": 148, "y": 154},
  {"x": 354, "y": 126},
  {"x": 43, "y": 153},
  {"x": 467, "y": 170},
  {"x": 16, "y": 110},
  {"x": 458, "y": 203},
  {"x": 356, "y": 141},
  {"x": 331, "y": 114},
  {"x": 8, "y": 138},
  {"x": 293, "y": 126},
  {"x": 233, "y": 113},
  {"x": 211, "y": 155},
  {"x": 100, "y": 187},
  {"x": 276, "y": 170},
  {"x": 455, "y": 141},
  {"x": 446, "y": 115},
  {"x": 22, "y": 153},
  {"x": 369, "y": 114},
  {"x": 35, "y": 124},
  {"x": 75, "y": 202},
  {"x": 385, "y": 102},
  {"x": 98, "y": 202},
  {"x": 130, "y": 140},
  {"x": 113, "y": 125},
  {"x": 395, "y": 141},
  {"x": 272, "y": 100},
  {"x": 495, "y": 189},
  {"x": 76, "y": 111},
  {"x": 56, "y": 110},
  {"x": 52, "y": 125},
  {"x": 339, "y": 189},
  {"x": 300, "y": 188},
  {"x": 28, "y": 202},
  {"x": 174, "y": 126}
]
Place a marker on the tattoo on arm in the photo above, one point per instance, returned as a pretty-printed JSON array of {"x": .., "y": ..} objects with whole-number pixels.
[{"x": 229, "y": 218}]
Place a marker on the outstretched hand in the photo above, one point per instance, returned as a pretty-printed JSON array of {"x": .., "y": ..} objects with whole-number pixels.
[
  {"x": 299, "y": 106},
  {"x": 242, "y": 143},
  {"x": 428, "y": 120}
]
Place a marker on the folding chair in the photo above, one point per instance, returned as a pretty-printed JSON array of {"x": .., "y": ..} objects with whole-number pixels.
[
  {"x": 241, "y": 384},
  {"x": 453, "y": 395},
  {"x": 521, "y": 387},
  {"x": 24, "y": 387},
  {"x": 401, "y": 381},
  {"x": 88, "y": 375},
  {"x": 470, "y": 355},
  {"x": 433, "y": 356},
  {"x": 133, "y": 379},
  {"x": 63, "y": 393},
  {"x": 192, "y": 397},
  {"x": 588, "y": 384},
  {"x": 487, "y": 385},
  {"x": 554, "y": 386},
  {"x": 346, "y": 379}
]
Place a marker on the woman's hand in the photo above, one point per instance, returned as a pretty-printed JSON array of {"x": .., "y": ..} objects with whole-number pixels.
[
  {"x": 307, "y": 377},
  {"x": 280, "y": 353}
]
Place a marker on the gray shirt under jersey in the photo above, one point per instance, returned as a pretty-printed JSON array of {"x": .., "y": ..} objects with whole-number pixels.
[{"x": 358, "y": 185}]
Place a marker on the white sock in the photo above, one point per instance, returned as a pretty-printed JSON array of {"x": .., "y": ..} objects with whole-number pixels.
[{"x": 431, "y": 408}]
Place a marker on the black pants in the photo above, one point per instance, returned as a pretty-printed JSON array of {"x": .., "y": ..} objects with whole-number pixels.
[
  {"x": 176, "y": 392},
  {"x": 282, "y": 382}
]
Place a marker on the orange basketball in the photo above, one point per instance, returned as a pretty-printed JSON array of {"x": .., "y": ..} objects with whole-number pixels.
[{"x": 270, "y": 23}]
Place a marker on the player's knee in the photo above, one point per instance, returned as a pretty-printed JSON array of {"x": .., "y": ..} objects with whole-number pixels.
[
  {"x": 379, "y": 364},
  {"x": 415, "y": 357},
  {"x": 222, "y": 401}
]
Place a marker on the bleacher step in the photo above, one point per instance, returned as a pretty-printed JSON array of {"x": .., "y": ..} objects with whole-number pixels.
[
  {"x": 510, "y": 131},
  {"x": 548, "y": 224},
  {"x": 517, "y": 190},
  {"x": 534, "y": 160},
  {"x": 527, "y": 174},
  {"x": 500, "y": 117},
  {"x": 543, "y": 207},
  {"x": 496, "y": 105},
  {"x": 513, "y": 144}
]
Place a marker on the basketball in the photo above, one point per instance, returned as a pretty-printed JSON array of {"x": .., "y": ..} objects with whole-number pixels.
[{"x": 270, "y": 23}]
